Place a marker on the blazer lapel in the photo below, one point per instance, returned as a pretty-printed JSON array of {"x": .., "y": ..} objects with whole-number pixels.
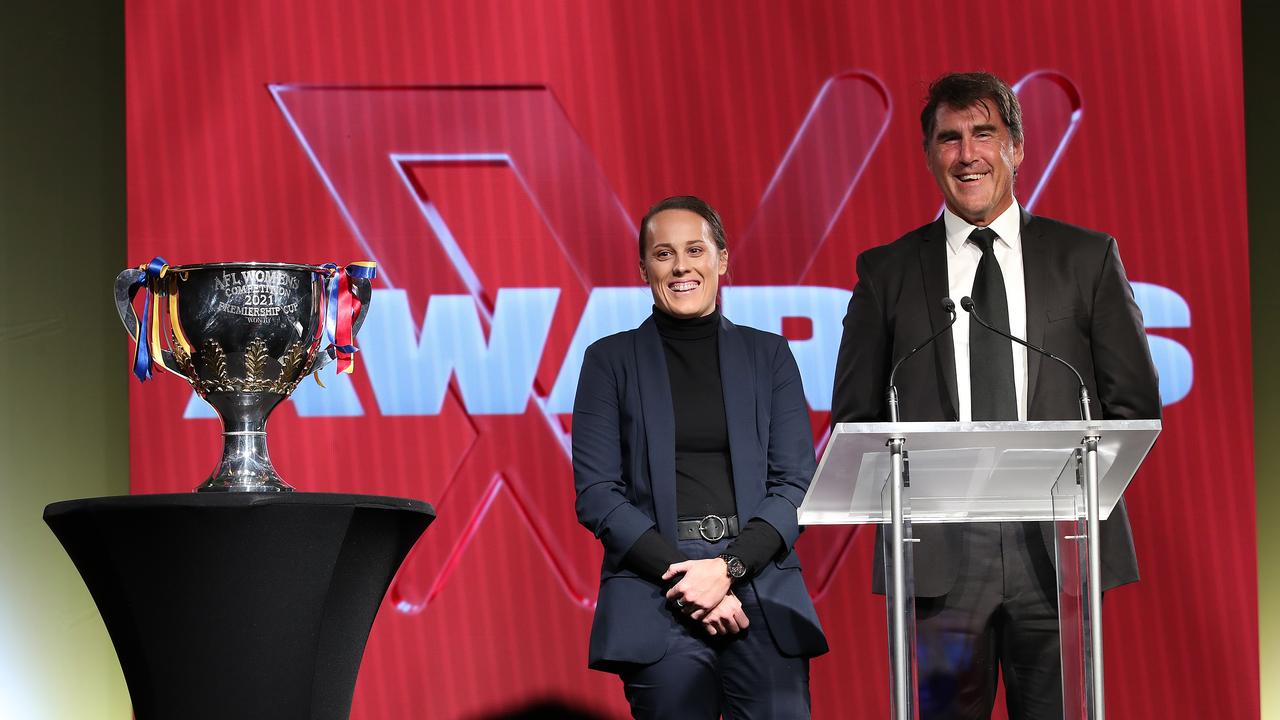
[
  {"x": 933, "y": 265},
  {"x": 659, "y": 424},
  {"x": 737, "y": 381},
  {"x": 1035, "y": 270}
]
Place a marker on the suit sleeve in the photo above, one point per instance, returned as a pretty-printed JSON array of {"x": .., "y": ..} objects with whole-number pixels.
[
  {"x": 757, "y": 544},
  {"x": 650, "y": 557},
  {"x": 862, "y": 367},
  {"x": 1128, "y": 387},
  {"x": 789, "y": 458},
  {"x": 603, "y": 504}
]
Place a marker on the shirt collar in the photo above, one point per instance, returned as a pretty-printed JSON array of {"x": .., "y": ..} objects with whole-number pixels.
[{"x": 1008, "y": 226}]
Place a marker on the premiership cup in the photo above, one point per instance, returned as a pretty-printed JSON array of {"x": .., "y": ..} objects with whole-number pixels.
[{"x": 244, "y": 334}]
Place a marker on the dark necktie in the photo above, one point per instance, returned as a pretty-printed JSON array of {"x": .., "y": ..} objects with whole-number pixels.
[{"x": 991, "y": 387}]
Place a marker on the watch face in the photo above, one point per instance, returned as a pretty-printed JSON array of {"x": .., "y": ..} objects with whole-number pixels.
[{"x": 737, "y": 568}]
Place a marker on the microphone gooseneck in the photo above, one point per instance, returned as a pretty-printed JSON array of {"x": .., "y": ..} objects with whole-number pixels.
[
  {"x": 966, "y": 303},
  {"x": 950, "y": 307}
]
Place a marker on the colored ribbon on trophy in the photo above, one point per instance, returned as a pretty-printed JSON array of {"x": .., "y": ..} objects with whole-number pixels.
[
  {"x": 342, "y": 307},
  {"x": 175, "y": 324},
  {"x": 330, "y": 301},
  {"x": 147, "y": 333}
]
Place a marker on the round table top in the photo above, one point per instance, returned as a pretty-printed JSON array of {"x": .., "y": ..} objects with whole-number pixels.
[{"x": 213, "y": 500}]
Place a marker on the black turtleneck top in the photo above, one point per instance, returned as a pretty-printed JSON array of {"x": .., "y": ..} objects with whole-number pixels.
[{"x": 704, "y": 472}]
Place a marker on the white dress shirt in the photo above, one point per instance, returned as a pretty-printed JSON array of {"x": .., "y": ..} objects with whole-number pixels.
[{"x": 962, "y": 266}]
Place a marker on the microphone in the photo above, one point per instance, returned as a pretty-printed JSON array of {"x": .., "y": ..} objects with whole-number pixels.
[
  {"x": 966, "y": 302},
  {"x": 950, "y": 307}
]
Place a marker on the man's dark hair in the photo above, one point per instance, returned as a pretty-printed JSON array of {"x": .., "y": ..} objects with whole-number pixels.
[
  {"x": 962, "y": 90},
  {"x": 692, "y": 204}
]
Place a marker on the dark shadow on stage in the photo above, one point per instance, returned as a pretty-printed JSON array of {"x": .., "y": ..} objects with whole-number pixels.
[{"x": 544, "y": 710}]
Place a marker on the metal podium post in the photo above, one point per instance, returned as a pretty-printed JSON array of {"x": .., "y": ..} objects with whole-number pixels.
[
  {"x": 902, "y": 650},
  {"x": 1096, "y": 695}
]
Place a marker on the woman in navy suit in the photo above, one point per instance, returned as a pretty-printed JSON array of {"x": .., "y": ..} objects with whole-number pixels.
[{"x": 691, "y": 453}]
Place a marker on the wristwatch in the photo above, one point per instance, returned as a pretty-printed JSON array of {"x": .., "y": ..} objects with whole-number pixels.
[{"x": 736, "y": 568}]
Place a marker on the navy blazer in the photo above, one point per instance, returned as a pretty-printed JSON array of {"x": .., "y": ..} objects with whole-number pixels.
[{"x": 625, "y": 473}]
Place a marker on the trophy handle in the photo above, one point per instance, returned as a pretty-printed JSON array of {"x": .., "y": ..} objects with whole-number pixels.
[
  {"x": 362, "y": 288},
  {"x": 128, "y": 282}
]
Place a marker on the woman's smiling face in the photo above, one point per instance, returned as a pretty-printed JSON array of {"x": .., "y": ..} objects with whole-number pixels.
[{"x": 682, "y": 264}]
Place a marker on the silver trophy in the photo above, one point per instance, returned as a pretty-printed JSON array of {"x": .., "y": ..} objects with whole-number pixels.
[{"x": 243, "y": 335}]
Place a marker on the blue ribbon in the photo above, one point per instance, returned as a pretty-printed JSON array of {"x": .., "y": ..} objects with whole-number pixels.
[
  {"x": 363, "y": 272},
  {"x": 142, "y": 357},
  {"x": 331, "y": 304}
]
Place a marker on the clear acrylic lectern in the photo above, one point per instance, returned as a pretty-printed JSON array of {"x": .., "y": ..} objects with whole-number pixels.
[{"x": 1070, "y": 473}]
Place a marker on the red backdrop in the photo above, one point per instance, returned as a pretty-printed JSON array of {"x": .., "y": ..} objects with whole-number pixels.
[{"x": 478, "y": 147}]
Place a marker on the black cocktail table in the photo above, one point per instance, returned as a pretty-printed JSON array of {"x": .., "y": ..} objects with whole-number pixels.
[{"x": 239, "y": 605}]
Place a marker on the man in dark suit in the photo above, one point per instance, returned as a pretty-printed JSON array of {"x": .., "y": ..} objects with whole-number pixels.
[{"x": 986, "y": 598}]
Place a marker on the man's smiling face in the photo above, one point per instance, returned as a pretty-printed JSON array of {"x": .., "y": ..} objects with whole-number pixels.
[{"x": 974, "y": 159}]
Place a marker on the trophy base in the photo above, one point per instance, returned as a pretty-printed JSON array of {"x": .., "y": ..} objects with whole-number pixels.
[{"x": 211, "y": 485}]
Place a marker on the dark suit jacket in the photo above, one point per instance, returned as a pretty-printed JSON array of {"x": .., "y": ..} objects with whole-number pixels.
[
  {"x": 1079, "y": 307},
  {"x": 625, "y": 474}
]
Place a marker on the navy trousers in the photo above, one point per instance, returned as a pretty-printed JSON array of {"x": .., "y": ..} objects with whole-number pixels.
[
  {"x": 742, "y": 676},
  {"x": 1000, "y": 617}
]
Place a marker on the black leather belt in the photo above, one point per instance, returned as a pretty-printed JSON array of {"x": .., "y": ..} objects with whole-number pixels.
[{"x": 710, "y": 528}]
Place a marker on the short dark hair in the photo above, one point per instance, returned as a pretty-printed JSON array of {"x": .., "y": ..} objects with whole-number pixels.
[
  {"x": 692, "y": 204},
  {"x": 962, "y": 90}
]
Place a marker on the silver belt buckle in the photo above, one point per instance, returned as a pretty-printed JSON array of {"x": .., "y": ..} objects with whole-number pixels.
[{"x": 712, "y": 528}]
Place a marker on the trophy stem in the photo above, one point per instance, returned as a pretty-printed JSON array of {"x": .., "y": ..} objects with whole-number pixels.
[{"x": 245, "y": 465}]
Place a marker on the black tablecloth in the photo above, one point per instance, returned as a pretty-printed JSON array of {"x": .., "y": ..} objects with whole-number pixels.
[{"x": 239, "y": 605}]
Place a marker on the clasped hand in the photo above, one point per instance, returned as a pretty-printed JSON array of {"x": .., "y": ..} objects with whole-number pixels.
[{"x": 703, "y": 594}]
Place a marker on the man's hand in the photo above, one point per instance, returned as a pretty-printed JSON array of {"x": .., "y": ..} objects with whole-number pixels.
[
  {"x": 727, "y": 618},
  {"x": 703, "y": 586}
]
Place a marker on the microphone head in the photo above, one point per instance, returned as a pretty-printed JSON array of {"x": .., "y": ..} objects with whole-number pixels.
[
  {"x": 948, "y": 305},
  {"x": 966, "y": 302}
]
